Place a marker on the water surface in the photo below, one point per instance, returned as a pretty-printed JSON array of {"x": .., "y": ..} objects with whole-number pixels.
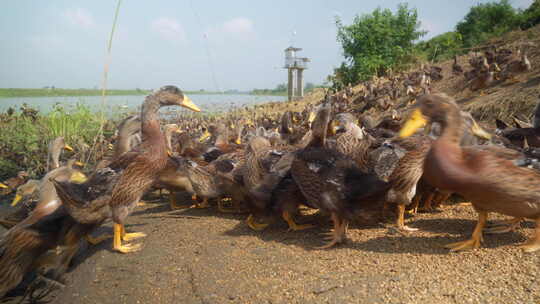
[{"x": 209, "y": 103}]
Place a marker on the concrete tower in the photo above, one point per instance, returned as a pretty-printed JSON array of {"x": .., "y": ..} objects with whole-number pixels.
[{"x": 295, "y": 66}]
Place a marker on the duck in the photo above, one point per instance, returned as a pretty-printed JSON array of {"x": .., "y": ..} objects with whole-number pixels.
[
  {"x": 141, "y": 170},
  {"x": 85, "y": 207},
  {"x": 484, "y": 78},
  {"x": 456, "y": 68},
  {"x": 331, "y": 181},
  {"x": 351, "y": 139},
  {"x": 492, "y": 183},
  {"x": 264, "y": 167},
  {"x": 521, "y": 64},
  {"x": 55, "y": 148},
  {"x": 23, "y": 244},
  {"x": 11, "y": 184},
  {"x": 26, "y": 193},
  {"x": 126, "y": 139}
]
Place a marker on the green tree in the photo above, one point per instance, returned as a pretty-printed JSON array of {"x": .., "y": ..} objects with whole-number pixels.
[
  {"x": 531, "y": 16},
  {"x": 487, "y": 20},
  {"x": 375, "y": 42}
]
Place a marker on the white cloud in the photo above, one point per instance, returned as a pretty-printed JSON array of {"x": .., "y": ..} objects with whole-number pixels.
[
  {"x": 239, "y": 26},
  {"x": 80, "y": 17},
  {"x": 169, "y": 29}
]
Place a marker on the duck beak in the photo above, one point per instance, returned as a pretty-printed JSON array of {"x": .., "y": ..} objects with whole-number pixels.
[
  {"x": 3, "y": 186},
  {"x": 204, "y": 136},
  {"x": 334, "y": 127},
  {"x": 77, "y": 177},
  {"x": 169, "y": 153},
  {"x": 187, "y": 103},
  {"x": 415, "y": 122},
  {"x": 16, "y": 200},
  {"x": 110, "y": 146},
  {"x": 479, "y": 132},
  {"x": 238, "y": 141},
  {"x": 68, "y": 148},
  {"x": 80, "y": 164},
  {"x": 311, "y": 117}
]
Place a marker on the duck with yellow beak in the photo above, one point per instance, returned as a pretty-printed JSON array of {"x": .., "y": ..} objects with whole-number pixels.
[
  {"x": 56, "y": 147},
  {"x": 490, "y": 181}
]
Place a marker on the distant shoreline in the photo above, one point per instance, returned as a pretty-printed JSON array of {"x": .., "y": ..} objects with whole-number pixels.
[{"x": 47, "y": 92}]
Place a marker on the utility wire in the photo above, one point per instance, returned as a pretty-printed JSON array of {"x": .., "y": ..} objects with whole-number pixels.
[{"x": 207, "y": 48}]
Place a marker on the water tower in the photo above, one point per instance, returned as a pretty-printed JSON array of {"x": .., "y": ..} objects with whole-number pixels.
[{"x": 295, "y": 66}]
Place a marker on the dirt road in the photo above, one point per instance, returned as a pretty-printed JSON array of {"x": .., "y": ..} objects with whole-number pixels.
[{"x": 202, "y": 256}]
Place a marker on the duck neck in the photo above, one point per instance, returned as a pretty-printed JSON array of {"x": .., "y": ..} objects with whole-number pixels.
[
  {"x": 54, "y": 158},
  {"x": 151, "y": 132},
  {"x": 451, "y": 126}
]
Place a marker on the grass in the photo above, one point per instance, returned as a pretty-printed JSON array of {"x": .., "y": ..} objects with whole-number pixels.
[{"x": 26, "y": 134}]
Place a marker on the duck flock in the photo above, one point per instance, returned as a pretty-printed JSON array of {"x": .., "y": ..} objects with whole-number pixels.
[{"x": 270, "y": 164}]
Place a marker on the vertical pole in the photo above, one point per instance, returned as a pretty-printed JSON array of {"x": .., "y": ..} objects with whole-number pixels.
[
  {"x": 300, "y": 82},
  {"x": 290, "y": 85}
]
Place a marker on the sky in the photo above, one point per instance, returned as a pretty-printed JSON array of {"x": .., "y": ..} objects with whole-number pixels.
[{"x": 194, "y": 44}]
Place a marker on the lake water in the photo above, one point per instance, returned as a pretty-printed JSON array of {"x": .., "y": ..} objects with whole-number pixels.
[{"x": 208, "y": 103}]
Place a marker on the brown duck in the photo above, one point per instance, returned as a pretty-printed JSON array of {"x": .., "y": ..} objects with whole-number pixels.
[
  {"x": 142, "y": 169},
  {"x": 492, "y": 183}
]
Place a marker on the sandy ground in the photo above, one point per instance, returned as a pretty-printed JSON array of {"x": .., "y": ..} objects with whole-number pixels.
[{"x": 202, "y": 256}]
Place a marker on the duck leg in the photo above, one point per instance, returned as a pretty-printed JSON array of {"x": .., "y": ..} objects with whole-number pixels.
[
  {"x": 504, "y": 226},
  {"x": 476, "y": 238},
  {"x": 415, "y": 204},
  {"x": 131, "y": 236},
  {"x": 533, "y": 244},
  {"x": 117, "y": 243},
  {"x": 401, "y": 219},
  {"x": 292, "y": 225},
  {"x": 338, "y": 234},
  {"x": 441, "y": 198},
  {"x": 428, "y": 202},
  {"x": 250, "y": 221}
]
